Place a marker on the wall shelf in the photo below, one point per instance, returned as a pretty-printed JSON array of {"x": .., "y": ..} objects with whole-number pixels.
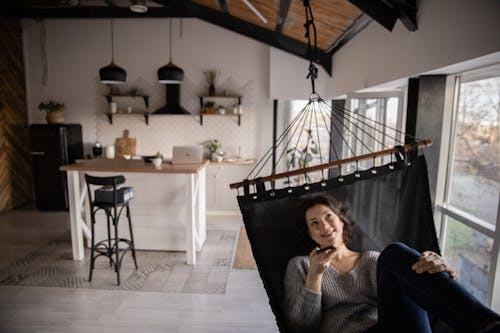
[
  {"x": 227, "y": 99},
  {"x": 144, "y": 113},
  {"x": 110, "y": 97},
  {"x": 220, "y": 115}
]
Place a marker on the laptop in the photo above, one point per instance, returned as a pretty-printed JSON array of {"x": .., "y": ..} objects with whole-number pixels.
[{"x": 187, "y": 154}]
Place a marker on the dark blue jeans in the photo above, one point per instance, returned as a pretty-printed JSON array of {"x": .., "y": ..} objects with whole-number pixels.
[{"x": 404, "y": 296}]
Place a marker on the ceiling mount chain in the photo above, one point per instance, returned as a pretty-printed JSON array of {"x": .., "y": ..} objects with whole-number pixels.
[{"x": 312, "y": 47}]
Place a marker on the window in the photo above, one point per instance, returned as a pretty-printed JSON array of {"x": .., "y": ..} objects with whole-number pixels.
[
  {"x": 469, "y": 199},
  {"x": 375, "y": 124},
  {"x": 314, "y": 130},
  {"x": 372, "y": 122}
]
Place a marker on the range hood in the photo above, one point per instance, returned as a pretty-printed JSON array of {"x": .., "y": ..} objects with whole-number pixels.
[{"x": 173, "y": 106}]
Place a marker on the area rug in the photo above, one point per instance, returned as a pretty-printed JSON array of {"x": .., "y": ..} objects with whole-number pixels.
[
  {"x": 159, "y": 271},
  {"x": 243, "y": 258}
]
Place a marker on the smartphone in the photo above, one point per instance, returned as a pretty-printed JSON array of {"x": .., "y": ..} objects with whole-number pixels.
[{"x": 324, "y": 249}]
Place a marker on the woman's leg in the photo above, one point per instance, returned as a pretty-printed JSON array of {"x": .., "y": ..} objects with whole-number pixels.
[{"x": 403, "y": 294}]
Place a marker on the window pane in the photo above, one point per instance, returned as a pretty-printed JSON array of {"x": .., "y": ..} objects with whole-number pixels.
[
  {"x": 311, "y": 139},
  {"x": 469, "y": 254},
  {"x": 475, "y": 180}
]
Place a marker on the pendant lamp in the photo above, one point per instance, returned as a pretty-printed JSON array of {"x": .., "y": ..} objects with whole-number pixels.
[
  {"x": 112, "y": 73},
  {"x": 170, "y": 73}
]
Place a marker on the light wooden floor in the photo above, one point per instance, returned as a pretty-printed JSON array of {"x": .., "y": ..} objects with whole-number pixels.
[{"x": 244, "y": 307}]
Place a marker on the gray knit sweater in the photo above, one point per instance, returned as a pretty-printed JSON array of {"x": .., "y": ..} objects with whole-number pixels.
[{"x": 347, "y": 302}]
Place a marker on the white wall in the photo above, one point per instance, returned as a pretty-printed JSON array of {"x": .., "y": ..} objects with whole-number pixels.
[
  {"x": 76, "y": 49},
  {"x": 287, "y": 77},
  {"x": 449, "y": 32}
]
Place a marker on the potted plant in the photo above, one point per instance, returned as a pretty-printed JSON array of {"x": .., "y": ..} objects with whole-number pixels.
[
  {"x": 209, "y": 107},
  {"x": 157, "y": 160},
  {"x": 210, "y": 76},
  {"x": 299, "y": 158},
  {"x": 213, "y": 147},
  {"x": 54, "y": 111}
]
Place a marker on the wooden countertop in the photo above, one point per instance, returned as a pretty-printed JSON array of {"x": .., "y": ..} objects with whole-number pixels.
[
  {"x": 123, "y": 165},
  {"x": 234, "y": 162}
]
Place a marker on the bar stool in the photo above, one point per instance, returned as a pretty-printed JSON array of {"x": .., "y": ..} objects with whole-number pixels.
[{"x": 111, "y": 198}]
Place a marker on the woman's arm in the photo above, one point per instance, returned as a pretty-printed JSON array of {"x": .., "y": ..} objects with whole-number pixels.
[
  {"x": 319, "y": 262},
  {"x": 302, "y": 306}
]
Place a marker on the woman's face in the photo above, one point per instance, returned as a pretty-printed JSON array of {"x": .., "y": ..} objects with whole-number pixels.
[{"x": 324, "y": 226}]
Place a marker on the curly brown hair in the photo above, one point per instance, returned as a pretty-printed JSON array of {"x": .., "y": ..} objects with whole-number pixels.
[{"x": 336, "y": 206}]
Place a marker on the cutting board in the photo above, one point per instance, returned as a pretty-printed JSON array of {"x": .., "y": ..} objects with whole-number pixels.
[{"x": 125, "y": 145}]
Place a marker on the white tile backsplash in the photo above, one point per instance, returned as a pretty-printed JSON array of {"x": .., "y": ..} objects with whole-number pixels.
[{"x": 165, "y": 131}]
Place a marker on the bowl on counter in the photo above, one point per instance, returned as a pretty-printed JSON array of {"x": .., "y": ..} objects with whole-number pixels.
[{"x": 148, "y": 158}]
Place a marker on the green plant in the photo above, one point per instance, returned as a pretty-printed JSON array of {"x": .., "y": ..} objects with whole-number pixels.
[
  {"x": 50, "y": 106},
  {"x": 210, "y": 76},
  {"x": 209, "y": 104},
  {"x": 299, "y": 158},
  {"x": 214, "y": 145},
  {"x": 158, "y": 155}
]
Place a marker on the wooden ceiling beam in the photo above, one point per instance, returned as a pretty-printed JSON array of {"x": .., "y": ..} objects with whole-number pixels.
[{"x": 283, "y": 13}]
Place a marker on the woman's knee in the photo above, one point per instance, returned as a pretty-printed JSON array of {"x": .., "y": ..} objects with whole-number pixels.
[{"x": 397, "y": 253}]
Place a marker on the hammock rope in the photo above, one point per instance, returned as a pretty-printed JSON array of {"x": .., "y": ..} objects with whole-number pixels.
[{"x": 301, "y": 139}]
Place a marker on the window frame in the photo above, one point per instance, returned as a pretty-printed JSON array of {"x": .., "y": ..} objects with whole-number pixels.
[{"x": 443, "y": 209}]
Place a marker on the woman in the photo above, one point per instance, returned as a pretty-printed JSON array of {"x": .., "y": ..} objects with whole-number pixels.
[{"x": 338, "y": 290}]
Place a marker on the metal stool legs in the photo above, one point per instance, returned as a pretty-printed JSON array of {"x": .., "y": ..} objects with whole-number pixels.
[
  {"x": 110, "y": 247},
  {"x": 131, "y": 236}
]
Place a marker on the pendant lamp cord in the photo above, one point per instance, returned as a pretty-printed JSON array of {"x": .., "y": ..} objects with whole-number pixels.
[
  {"x": 170, "y": 21},
  {"x": 112, "y": 43},
  {"x": 312, "y": 49}
]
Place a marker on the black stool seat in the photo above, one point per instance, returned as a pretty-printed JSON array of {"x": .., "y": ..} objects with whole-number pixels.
[{"x": 111, "y": 197}]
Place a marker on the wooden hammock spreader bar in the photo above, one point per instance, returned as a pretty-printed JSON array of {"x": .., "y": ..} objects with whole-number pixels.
[{"x": 421, "y": 144}]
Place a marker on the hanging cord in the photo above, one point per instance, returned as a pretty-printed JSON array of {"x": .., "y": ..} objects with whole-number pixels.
[
  {"x": 312, "y": 50},
  {"x": 170, "y": 23},
  {"x": 112, "y": 43},
  {"x": 350, "y": 113},
  {"x": 43, "y": 49},
  {"x": 297, "y": 120}
]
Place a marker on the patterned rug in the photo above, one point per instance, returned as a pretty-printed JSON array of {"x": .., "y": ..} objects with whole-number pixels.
[{"x": 159, "y": 271}]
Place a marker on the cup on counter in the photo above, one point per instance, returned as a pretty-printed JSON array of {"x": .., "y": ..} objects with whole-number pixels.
[
  {"x": 157, "y": 162},
  {"x": 113, "y": 107},
  {"x": 110, "y": 151}
]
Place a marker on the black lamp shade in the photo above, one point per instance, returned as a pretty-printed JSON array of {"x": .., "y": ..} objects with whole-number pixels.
[
  {"x": 112, "y": 74},
  {"x": 170, "y": 74}
]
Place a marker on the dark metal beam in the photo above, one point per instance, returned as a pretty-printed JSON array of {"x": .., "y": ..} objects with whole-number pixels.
[
  {"x": 89, "y": 12},
  {"x": 379, "y": 10},
  {"x": 361, "y": 23},
  {"x": 179, "y": 9},
  {"x": 283, "y": 13},
  {"x": 223, "y": 5},
  {"x": 250, "y": 30},
  {"x": 407, "y": 12}
]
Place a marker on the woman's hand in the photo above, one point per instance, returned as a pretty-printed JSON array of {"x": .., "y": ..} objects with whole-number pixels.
[
  {"x": 318, "y": 263},
  {"x": 431, "y": 263}
]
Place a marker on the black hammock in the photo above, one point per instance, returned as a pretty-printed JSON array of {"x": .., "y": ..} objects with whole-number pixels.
[
  {"x": 394, "y": 206},
  {"x": 388, "y": 199}
]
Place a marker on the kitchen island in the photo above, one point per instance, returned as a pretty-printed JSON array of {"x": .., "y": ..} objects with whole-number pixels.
[{"x": 168, "y": 209}]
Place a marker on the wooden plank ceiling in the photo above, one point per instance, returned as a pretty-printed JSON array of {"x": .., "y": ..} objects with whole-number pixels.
[{"x": 281, "y": 24}]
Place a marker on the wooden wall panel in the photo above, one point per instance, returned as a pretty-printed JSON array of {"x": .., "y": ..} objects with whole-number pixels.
[{"x": 15, "y": 169}]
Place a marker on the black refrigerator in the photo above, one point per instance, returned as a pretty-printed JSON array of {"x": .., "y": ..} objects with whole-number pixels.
[{"x": 51, "y": 147}]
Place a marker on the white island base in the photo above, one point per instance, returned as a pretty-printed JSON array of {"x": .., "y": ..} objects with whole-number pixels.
[{"x": 167, "y": 211}]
